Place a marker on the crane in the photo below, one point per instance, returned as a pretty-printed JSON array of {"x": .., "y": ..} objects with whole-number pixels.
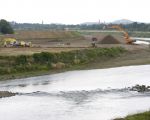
[{"x": 126, "y": 35}]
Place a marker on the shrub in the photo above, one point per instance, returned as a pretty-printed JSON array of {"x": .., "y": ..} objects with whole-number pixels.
[
  {"x": 66, "y": 57},
  {"x": 43, "y": 57},
  {"x": 47, "y": 61},
  {"x": 21, "y": 60}
]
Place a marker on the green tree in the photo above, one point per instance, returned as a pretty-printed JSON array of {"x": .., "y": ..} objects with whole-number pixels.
[{"x": 5, "y": 27}]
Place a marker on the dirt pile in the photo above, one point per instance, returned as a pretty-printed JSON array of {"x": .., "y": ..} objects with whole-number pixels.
[{"x": 109, "y": 40}]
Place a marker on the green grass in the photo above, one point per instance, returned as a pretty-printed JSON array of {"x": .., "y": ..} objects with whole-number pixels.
[
  {"x": 131, "y": 33},
  {"x": 140, "y": 34},
  {"x": 139, "y": 116},
  {"x": 124, "y": 58},
  {"x": 23, "y": 65}
]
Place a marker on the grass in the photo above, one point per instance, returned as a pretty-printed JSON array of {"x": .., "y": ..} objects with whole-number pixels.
[
  {"x": 45, "y": 62},
  {"x": 123, "y": 59},
  {"x": 139, "y": 116},
  {"x": 30, "y": 51},
  {"x": 116, "y": 33},
  {"x": 140, "y": 34},
  {"x": 43, "y": 34}
]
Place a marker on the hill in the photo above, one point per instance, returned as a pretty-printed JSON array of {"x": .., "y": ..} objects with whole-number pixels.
[{"x": 123, "y": 21}]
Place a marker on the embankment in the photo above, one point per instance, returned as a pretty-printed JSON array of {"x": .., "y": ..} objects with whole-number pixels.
[
  {"x": 139, "y": 116},
  {"x": 45, "y": 63}
]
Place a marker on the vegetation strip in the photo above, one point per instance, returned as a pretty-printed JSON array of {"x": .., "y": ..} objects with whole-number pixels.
[
  {"x": 139, "y": 116},
  {"x": 46, "y": 61}
]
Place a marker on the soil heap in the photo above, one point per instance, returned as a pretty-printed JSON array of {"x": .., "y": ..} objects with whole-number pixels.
[{"x": 109, "y": 40}]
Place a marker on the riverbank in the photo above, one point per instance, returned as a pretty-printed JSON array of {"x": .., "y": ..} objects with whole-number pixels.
[
  {"x": 12, "y": 67},
  {"x": 139, "y": 116},
  {"x": 123, "y": 58}
]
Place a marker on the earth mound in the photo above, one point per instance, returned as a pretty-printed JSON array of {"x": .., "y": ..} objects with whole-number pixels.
[{"x": 109, "y": 40}]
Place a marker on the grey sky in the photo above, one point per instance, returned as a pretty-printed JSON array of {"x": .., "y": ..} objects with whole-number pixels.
[{"x": 74, "y": 11}]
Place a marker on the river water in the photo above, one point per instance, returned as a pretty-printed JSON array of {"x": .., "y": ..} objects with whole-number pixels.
[
  {"x": 140, "y": 40},
  {"x": 99, "y": 94}
]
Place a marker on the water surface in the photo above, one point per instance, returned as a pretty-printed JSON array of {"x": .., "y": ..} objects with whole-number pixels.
[{"x": 100, "y": 94}]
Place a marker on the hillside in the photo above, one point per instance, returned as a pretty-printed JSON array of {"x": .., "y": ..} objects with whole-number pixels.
[{"x": 123, "y": 21}]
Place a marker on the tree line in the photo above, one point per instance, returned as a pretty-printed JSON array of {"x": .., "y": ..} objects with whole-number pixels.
[
  {"x": 35, "y": 26},
  {"x": 5, "y": 27}
]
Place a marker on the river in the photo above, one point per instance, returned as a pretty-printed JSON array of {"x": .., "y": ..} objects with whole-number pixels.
[
  {"x": 99, "y": 94},
  {"x": 140, "y": 40}
]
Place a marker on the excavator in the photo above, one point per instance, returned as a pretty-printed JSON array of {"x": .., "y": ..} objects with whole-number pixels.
[
  {"x": 126, "y": 35},
  {"x": 11, "y": 42}
]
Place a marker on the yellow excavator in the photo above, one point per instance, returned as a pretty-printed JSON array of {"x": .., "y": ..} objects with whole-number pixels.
[
  {"x": 126, "y": 35},
  {"x": 11, "y": 42},
  {"x": 7, "y": 42}
]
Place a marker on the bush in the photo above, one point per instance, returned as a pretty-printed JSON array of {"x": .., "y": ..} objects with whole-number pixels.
[
  {"x": 21, "y": 60},
  {"x": 43, "y": 57},
  {"x": 66, "y": 57},
  {"x": 47, "y": 61},
  {"x": 4, "y": 71}
]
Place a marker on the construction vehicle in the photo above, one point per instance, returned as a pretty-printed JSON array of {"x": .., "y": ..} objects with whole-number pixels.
[
  {"x": 126, "y": 35},
  {"x": 94, "y": 40},
  {"x": 11, "y": 42}
]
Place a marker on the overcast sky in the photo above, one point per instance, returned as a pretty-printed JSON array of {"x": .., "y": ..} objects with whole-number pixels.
[{"x": 74, "y": 11}]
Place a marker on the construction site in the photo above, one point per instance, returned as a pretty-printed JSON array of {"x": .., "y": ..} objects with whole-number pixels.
[
  {"x": 74, "y": 60},
  {"x": 29, "y": 42}
]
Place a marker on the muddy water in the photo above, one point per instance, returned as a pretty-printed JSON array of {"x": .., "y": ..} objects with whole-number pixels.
[{"x": 78, "y": 95}]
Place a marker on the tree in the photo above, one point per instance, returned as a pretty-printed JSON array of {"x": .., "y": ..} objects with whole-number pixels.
[{"x": 5, "y": 27}]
